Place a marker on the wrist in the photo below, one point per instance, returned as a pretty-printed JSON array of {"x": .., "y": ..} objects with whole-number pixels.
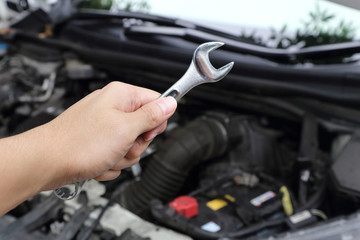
[
  {"x": 35, "y": 159},
  {"x": 21, "y": 169},
  {"x": 29, "y": 161},
  {"x": 46, "y": 157}
]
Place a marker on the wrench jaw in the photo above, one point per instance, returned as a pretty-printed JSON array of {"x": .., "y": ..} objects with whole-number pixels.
[
  {"x": 204, "y": 66},
  {"x": 67, "y": 194},
  {"x": 200, "y": 71}
]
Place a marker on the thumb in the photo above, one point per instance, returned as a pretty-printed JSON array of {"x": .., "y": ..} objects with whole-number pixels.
[{"x": 152, "y": 114}]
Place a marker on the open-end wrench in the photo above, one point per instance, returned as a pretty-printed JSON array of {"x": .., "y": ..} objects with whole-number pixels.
[{"x": 200, "y": 71}]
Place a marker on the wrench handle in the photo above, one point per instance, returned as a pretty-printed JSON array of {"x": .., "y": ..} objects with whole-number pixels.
[
  {"x": 173, "y": 93},
  {"x": 188, "y": 81}
]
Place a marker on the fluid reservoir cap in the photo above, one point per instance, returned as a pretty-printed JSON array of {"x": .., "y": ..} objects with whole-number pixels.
[{"x": 185, "y": 205}]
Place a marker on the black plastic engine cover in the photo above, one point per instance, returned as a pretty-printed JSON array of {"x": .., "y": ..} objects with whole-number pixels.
[{"x": 346, "y": 168}]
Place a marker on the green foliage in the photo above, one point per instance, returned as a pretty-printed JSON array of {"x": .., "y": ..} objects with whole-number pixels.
[
  {"x": 96, "y": 4},
  {"x": 320, "y": 28},
  {"x": 251, "y": 38},
  {"x": 115, "y": 5}
]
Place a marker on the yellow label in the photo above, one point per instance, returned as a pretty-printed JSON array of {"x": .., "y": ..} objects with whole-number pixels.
[
  {"x": 230, "y": 198},
  {"x": 216, "y": 204},
  {"x": 286, "y": 201}
]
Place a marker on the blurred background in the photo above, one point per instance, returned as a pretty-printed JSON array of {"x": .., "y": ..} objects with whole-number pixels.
[{"x": 277, "y": 23}]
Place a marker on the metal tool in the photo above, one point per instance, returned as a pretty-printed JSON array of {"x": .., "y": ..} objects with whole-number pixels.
[
  {"x": 200, "y": 71},
  {"x": 69, "y": 191}
]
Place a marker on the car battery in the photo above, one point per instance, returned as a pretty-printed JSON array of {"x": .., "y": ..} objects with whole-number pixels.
[{"x": 229, "y": 208}]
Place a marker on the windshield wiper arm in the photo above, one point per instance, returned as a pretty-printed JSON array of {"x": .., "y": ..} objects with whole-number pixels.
[
  {"x": 338, "y": 49},
  {"x": 159, "y": 20},
  {"x": 198, "y": 33}
]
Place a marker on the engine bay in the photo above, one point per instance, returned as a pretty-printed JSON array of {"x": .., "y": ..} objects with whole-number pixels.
[
  {"x": 268, "y": 153},
  {"x": 218, "y": 172}
]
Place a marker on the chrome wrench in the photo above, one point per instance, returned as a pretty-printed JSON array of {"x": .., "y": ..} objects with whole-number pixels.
[{"x": 200, "y": 71}]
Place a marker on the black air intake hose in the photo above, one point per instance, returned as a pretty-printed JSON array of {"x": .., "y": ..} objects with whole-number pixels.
[{"x": 200, "y": 140}]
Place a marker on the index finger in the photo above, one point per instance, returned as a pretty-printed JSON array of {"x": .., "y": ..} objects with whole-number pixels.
[{"x": 130, "y": 97}]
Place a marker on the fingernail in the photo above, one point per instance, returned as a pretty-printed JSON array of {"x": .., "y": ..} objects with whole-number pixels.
[
  {"x": 167, "y": 105},
  {"x": 150, "y": 137}
]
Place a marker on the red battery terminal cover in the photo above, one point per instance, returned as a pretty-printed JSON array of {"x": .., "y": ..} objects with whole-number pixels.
[{"x": 185, "y": 205}]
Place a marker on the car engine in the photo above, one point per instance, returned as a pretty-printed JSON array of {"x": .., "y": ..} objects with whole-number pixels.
[{"x": 253, "y": 163}]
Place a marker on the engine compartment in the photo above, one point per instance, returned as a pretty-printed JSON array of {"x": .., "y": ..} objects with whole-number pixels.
[
  {"x": 218, "y": 172},
  {"x": 270, "y": 152}
]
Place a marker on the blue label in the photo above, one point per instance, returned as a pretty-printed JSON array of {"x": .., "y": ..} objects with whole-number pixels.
[{"x": 3, "y": 46}]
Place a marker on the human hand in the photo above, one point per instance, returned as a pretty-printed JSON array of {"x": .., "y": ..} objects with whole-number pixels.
[
  {"x": 104, "y": 133},
  {"x": 95, "y": 138}
]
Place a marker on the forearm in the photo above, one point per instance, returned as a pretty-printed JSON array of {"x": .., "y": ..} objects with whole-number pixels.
[{"x": 25, "y": 170}]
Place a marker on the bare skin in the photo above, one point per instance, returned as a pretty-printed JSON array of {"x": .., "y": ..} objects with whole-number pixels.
[{"x": 95, "y": 138}]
